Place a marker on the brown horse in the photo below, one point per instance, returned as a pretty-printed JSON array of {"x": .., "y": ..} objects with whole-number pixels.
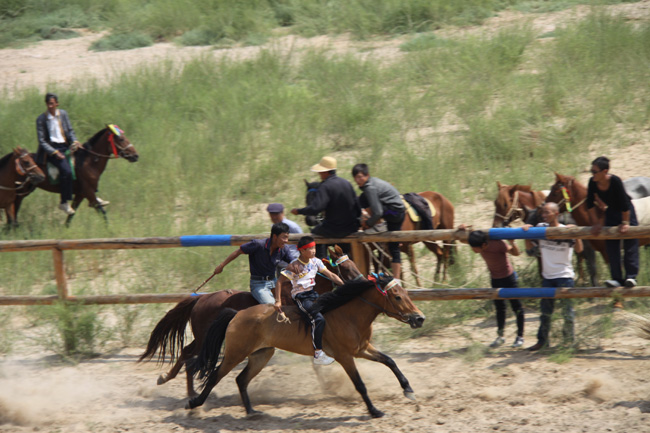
[
  {"x": 350, "y": 310},
  {"x": 90, "y": 163},
  {"x": 169, "y": 334},
  {"x": 16, "y": 170},
  {"x": 515, "y": 202},
  {"x": 443, "y": 219}
]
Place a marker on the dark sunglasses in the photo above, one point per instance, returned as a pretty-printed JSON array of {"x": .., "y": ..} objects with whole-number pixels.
[{"x": 595, "y": 171}]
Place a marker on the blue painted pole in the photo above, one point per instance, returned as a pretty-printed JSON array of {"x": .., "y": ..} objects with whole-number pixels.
[{"x": 517, "y": 233}]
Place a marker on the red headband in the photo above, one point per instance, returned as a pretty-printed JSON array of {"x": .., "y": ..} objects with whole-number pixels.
[{"x": 309, "y": 245}]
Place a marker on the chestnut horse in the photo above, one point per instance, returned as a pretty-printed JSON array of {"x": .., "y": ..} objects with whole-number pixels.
[
  {"x": 16, "y": 170},
  {"x": 515, "y": 202},
  {"x": 169, "y": 334},
  {"x": 349, "y": 311},
  {"x": 90, "y": 163},
  {"x": 443, "y": 219}
]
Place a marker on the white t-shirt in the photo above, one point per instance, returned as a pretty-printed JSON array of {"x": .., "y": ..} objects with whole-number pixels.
[
  {"x": 302, "y": 276},
  {"x": 556, "y": 256},
  {"x": 54, "y": 128}
]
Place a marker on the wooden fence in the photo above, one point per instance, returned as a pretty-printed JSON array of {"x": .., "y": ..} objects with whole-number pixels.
[{"x": 357, "y": 240}]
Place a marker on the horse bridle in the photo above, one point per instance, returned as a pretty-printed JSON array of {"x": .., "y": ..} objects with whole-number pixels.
[
  {"x": 336, "y": 265},
  {"x": 394, "y": 314},
  {"x": 507, "y": 218},
  {"x": 564, "y": 199},
  {"x": 22, "y": 171},
  {"x": 113, "y": 155}
]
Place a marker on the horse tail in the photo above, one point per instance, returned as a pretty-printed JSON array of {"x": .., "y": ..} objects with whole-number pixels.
[
  {"x": 169, "y": 334},
  {"x": 206, "y": 362}
]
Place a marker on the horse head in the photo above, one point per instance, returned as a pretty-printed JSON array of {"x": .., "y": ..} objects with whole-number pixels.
[
  {"x": 561, "y": 191},
  {"x": 312, "y": 187},
  {"x": 121, "y": 146},
  {"x": 25, "y": 166},
  {"x": 396, "y": 301},
  {"x": 342, "y": 265},
  {"x": 506, "y": 206}
]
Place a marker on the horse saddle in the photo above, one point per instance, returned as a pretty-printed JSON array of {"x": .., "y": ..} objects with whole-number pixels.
[
  {"x": 53, "y": 171},
  {"x": 416, "y": 206}
]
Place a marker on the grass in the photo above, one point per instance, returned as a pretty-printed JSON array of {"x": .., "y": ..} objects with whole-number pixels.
[{"x": 219, "y": 139}]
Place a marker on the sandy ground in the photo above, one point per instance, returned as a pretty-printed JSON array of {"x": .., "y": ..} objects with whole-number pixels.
[{"x": 605, "y": 389}]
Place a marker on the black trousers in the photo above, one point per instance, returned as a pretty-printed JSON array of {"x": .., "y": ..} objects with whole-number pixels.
[{"x": 65, "y": 172}]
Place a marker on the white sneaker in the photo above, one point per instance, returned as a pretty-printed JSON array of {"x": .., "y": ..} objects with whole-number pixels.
[
  {"x": 102, "y": 202},
  {"x": 519, "y": 341},
  {"x": 612, "y": 283},
  {"x": 321, "y": 358},
  {"x": 630, "y": 282},
  {"x": 65, "y": 207},
  {"x": 498, "y": 342}
]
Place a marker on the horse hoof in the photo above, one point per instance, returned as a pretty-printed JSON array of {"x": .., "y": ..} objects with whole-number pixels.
[
  {"x": 410, "y": 395},
  {"x": 255, "y": 414},
  {"x": 161, "y": 380},
  {"x": 376, "y": 413}
]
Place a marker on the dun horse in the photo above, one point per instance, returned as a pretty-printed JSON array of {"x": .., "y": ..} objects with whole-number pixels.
[
  {"x": 350, "y": 310},
  {"x": 90, "y": 162},
  {"x": 168, "y": 337},
  {"x": 443, "y": 219},
  {"x": 17, "y": 169}
]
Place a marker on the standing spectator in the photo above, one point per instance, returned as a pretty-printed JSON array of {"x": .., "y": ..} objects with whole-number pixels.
[
  {"x": 263, "y": 257},
  {"x": 557, "y": 271},
  {"x": 335, "y": 196},
  {"x": 605, "y": 192},
  {"x": 502, "y": 274},
  {"x": 385, "y": 202}
]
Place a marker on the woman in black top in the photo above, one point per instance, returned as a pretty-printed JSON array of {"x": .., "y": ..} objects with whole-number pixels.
[{"x": 606, "y": 192}]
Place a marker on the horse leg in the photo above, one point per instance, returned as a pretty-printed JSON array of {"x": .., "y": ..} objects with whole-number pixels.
[
  {"x": 351, "y": 369},
  {"x": 228, "y": 363},
  {"x": 256, "y": 362},
  {"x": 372, "y": 354},
  {"x": 410, "y": 252},
  {"x": 75, "y": 205}
]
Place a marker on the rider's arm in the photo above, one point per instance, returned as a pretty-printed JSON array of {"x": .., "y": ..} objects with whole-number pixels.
[
  {"x": 229, "y": 259},
  {"x": 332, "y": 276}
]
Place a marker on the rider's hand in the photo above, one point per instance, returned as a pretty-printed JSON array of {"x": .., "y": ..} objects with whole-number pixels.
[
  {"x": 294, "y": 211},
  {"x": 525, "y": 227},
  {"x": 278, "y": 306}
]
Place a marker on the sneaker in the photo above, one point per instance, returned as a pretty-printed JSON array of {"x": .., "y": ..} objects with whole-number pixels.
[
  {"x": 519, "y": 341},
  {"x": 65, "y": 207},
  {"x": 321, "y": 358},
  {"x": 498, "y": 342},
  {"x": 102, "y": 202},
  {"x": 630, "y": 282},
  {"x": 612, "y": 283}
]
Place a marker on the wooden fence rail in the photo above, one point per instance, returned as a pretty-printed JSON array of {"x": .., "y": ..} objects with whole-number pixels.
[{"x": 356, "y": 240}]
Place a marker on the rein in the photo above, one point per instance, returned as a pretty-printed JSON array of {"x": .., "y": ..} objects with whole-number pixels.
[
  {"x": 396, "y": 315},
  {"x": 114, "y": 148},
  {"x": 22, "y": 171}
]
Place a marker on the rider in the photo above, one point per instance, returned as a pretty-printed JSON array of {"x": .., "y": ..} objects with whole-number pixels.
[
  {"x": 55, "y": 136},
  {"x": 336, "y": 197},
  {"x": 263, "y": 257},
  {"x": 302, "y": 273}
]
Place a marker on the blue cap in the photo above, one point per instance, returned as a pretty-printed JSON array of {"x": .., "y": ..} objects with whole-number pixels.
[{"x": 275, "y": 208}]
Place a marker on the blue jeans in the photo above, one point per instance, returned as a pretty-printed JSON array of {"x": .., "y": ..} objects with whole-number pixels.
[
  {"x": 65, "y": 172},
  {"x": 548, "y": 305},
  {"x": 262, "y": 290}
]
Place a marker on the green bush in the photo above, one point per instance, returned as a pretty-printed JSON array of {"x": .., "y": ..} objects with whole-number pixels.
[{"x": 122, "y": 41}]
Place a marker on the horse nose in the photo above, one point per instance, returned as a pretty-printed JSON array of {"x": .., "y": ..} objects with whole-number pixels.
[{"x": 417, "y": 321}]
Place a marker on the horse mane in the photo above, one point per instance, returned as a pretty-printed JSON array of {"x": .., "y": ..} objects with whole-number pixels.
[
  {"x": 345, "y": 293},
  {"x": 91, "y": 142},
  {"x": 5, "y": 158}
]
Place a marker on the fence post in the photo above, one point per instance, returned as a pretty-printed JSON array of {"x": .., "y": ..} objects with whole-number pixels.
[
  {"x": 59, "y": 273},
  {"x": 359, "y": 257}
]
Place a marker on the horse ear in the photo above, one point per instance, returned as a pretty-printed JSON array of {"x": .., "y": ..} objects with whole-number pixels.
[
  {"x": 525, "y": 188},
  {"x": 306, "y": 183},
  {"x": 498, "y": 184},
  {"x": 558, "y": 176}
]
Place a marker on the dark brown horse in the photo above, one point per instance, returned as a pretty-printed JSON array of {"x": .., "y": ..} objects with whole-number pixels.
[
  {"x": 349, "y": 311},
  {"x": 515, "y": 202},
  {"x": 90, "y": 163},
  {"x": 168, "y": 337},
  {"x": 16, "y": 170}
]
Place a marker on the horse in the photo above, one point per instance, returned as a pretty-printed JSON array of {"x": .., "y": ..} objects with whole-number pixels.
[
  {"x": 515, "y": 202},
  {"x": 16, "y": 170},
  {"x": 350, "y": 310},
  {"x": 90, "y": 162},
  {"x": 443, "y": 219},
  {"x": 168, "y": 335}
]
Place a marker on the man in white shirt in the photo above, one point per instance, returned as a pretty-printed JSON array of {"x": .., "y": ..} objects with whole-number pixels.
[{"x": 557, "y": 271}]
